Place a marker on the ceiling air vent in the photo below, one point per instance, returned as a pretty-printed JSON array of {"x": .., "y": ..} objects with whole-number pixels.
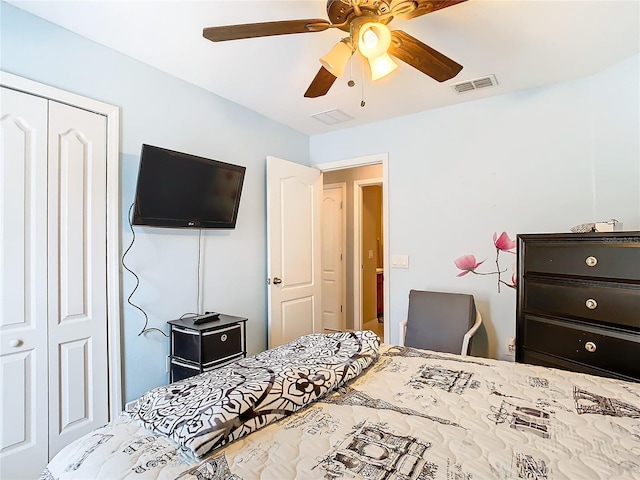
[
  {"x": 331, "y": 117},
  {"x": 475, "y": 84}
]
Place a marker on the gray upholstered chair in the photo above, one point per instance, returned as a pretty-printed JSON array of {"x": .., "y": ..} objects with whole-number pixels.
[{"x": 444, "y": 322}]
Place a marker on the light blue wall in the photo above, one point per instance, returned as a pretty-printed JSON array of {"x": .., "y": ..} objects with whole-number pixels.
[
  {"x": 541, "y": 160},
  {"x": 161, "y": 110}
]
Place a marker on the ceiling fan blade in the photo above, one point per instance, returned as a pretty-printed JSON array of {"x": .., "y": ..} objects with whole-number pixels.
[
  {"x": 320, "y": 84},
  {"x": 265, "y": 29},
  {"x": 422, "y": 57},
  {"x": 428, "y": 6}
]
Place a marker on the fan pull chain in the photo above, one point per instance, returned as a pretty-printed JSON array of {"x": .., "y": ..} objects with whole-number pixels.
[
  {"x": 362, "y": 102},
  {"x": 351, "y": 83}
]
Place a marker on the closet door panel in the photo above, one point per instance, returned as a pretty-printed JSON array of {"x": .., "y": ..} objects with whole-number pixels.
[
  {"x": 78, "y": 380},
  {"x": 23, "y": 287}
]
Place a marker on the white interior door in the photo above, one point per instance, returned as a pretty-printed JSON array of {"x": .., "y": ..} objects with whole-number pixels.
[
  {"x": 23, "y": 285},
  {"x": 294, "y": 197},
  {"x": 333, "y": 257},
  {"x": 78, "y": 368}
]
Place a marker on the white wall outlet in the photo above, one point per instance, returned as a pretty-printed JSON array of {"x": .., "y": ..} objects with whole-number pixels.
[
  {"x": 399, "y": 261},
  {"x": 511, "y": 347}
]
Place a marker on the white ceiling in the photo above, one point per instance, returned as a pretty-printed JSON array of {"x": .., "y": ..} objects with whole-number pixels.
[{"x": 524, "y": 43}]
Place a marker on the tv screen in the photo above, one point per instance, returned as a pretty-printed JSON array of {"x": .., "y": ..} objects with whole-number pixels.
[{"x": 186, "y": 191}]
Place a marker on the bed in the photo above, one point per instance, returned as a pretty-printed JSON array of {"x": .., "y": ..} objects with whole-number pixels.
[{"x": 343, "y": 406}]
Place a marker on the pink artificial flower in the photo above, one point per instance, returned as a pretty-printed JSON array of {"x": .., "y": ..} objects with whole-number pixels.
[
  {"x": 503, "y": 242},
  {"x": 467, "y": 263},
  {"x": 514, "y": 279}
]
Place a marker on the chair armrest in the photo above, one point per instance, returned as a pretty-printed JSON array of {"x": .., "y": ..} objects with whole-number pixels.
[
  {"x": 469, "y": 334},
  {"x": 403, "y": 332}
]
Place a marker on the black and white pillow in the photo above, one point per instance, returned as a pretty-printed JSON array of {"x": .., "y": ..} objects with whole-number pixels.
[{"x": 209, "y": 410}]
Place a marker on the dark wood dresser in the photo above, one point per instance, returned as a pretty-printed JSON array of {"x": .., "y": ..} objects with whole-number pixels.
[{"x": 579, "y": 302}]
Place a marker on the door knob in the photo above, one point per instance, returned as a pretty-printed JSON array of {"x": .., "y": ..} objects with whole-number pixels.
[{"x": 277, "y": 281}]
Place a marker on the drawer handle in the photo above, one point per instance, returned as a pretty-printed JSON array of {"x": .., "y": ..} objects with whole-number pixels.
[
  {"x": 591, "y": 261},
  {"x": 591, "y": 304},
  {"x": 223, "y": 337},
  {"x": 590, "y": 347}
]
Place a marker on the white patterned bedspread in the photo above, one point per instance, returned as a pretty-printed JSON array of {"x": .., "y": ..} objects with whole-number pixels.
[{"x": 413, "y": 414}]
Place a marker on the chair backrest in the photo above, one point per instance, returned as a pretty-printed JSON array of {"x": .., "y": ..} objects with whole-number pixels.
[{"x": 438, "y": 321}]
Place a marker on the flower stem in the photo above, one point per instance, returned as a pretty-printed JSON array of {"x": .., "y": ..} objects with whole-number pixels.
[
  {"x": 507, "y": 284},
  {"x": 498, "y": 267}
]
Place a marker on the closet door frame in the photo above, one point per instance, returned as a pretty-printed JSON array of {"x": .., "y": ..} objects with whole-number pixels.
[{"x": 112, "y": 114}]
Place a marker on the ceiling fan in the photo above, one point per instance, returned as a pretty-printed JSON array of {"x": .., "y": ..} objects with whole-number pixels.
[{"x": 366, "y": 23}]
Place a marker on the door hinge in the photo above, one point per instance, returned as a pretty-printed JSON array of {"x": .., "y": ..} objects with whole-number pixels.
[
  {"x": 340, "y": 256},
  {"x": 340, "y": 205},
  {"x": 340, "y": 308}
]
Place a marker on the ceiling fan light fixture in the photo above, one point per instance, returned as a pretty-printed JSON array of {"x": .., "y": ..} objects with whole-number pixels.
[
  {"x": 337, "y": 58},
  {"x": 374, "y": 38},
  {"x": 370, "y": 39},
  {"x": 381, "y": 66},
  {"x": 365, "y": 22}
]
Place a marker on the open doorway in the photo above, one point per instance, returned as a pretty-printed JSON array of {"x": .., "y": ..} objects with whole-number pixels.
[
  {"x": 363, "y": 259},
  {"x": 294, "y": 266}
]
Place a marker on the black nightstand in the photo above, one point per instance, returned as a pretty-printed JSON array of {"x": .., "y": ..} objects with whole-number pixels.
[{"x": 199, "y": 348}]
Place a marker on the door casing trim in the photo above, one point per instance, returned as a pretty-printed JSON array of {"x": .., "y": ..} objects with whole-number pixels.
[{"x": 383, "y": 159}]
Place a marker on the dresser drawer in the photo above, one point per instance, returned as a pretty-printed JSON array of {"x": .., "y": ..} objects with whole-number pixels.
[
  {"x": 208, "y": 346},
  {"x": 537, "y": 358},
  {"x": 181, "y": 370},
  {"x": 599, "y": 302},
  {"x": 585, "y": 345},
  {"x": 221, "y": 344},
  {"x": 615, "y": 259}
]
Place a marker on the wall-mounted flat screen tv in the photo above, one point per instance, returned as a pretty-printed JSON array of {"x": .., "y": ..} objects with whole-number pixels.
[{"x": 180, "y": 190}]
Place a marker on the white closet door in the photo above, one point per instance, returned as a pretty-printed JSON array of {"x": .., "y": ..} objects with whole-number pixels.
[
  {"x": 23, "y": 284},
  {"x": 78, "y": 366}
]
